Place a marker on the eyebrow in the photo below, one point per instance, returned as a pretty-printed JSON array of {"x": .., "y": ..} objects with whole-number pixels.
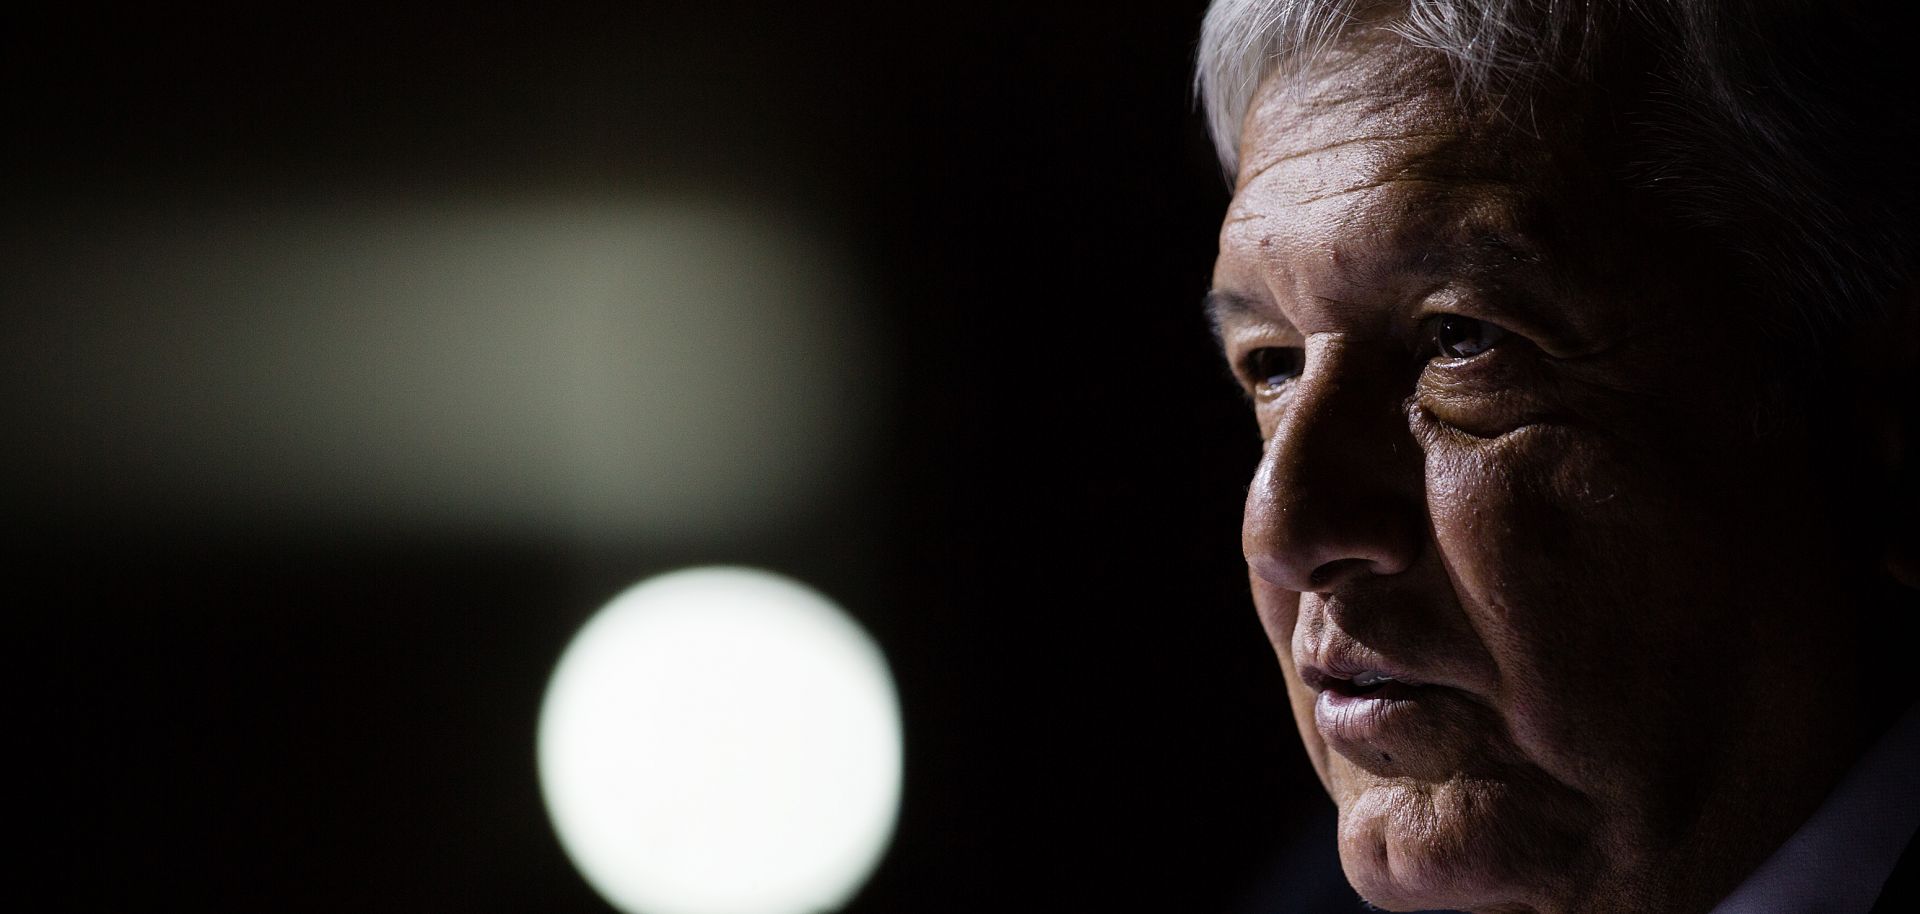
[
  {"x": 1485, "y": 252},
  {"x": 1222, "y": 306}
]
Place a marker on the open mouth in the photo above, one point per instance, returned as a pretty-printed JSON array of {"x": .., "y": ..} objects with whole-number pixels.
[
  {"x": 1367, "y": 684},
  {"x": 1343, "y": 681}
]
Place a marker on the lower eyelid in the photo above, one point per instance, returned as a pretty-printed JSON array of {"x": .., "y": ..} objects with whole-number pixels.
[
  {"x": 1266, "y": 398},
  {"x": 1430, "y": 428},
  {"x": 1499, "y": 354},
  {"x": 1481, "y": 403}
]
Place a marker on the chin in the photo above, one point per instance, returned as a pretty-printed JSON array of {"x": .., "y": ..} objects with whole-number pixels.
[{"x": 1412, "y": 846}]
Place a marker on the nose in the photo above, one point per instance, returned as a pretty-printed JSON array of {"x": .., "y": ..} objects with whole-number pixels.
[{"x": 1338, "y": 493}]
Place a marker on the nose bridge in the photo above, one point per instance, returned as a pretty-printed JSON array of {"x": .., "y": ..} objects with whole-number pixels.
[{"x": 1329, "y": 500}]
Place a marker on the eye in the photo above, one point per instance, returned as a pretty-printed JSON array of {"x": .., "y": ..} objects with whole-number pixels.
[
  {"x": 1457, "y": 337},
  {"x": 1271, "y": 366}
]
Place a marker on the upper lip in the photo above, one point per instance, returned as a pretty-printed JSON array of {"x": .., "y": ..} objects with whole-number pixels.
[{"x": 1332, "y": 668}]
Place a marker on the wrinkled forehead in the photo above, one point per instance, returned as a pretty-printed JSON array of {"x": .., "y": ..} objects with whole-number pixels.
[
  {"x": 1379, "y": 97},
  {"x": 1368, "y": 171}
]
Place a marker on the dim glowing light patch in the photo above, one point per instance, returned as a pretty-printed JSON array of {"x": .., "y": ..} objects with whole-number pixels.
[
  {"x": 597, "y": 372},
  {"x": 722, "y": 741}
]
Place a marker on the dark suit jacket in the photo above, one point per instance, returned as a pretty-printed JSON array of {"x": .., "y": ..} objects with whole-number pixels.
[{"x": 1901, "y": 894}]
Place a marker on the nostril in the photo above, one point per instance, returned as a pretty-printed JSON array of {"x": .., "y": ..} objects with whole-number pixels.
[{"x": 1330, "y": 573}]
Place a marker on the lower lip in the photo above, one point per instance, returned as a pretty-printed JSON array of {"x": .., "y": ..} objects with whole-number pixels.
[{"x": 1381, "y": 716}]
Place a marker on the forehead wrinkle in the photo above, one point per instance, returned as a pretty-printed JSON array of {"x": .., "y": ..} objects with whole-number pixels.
[
  {"x": 1359, "y": 245},
  {"x": 1368, "y": 160},
  {"x": 1249, "y": 175},
  {"x": 1384, "y": 98},
  {"x": 1426, "y": 208},
  {"x": 1267, "y": 197},
  {"x": 1380, "y": 183},
  {"x": 1376, "y": 190}
]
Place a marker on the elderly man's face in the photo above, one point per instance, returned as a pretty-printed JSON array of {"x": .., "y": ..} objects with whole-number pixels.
[{"x": 1551, "y": 608}]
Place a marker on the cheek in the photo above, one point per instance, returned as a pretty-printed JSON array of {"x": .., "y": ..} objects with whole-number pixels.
[
  {"x": 1542, "y": 536},
  {"x": 1500, "y": 510}
]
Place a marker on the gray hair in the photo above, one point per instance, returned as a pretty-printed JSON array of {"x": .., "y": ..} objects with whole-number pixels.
[{"x": 1754, "y": 120}]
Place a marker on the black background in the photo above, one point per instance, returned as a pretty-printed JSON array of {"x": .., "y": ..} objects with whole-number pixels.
[{"x": 1047, "y": 547}]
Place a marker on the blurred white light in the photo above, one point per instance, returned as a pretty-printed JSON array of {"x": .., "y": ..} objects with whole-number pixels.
[
  {"x": 599, "y": 371},
  {"x": 722, "y": 741}
]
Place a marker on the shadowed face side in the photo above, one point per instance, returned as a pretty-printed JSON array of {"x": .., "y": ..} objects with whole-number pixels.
[{"x": 1560, "y": 627}]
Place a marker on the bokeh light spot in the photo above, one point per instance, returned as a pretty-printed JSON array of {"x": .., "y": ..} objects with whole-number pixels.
[{"x": 722, "y": 741}]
